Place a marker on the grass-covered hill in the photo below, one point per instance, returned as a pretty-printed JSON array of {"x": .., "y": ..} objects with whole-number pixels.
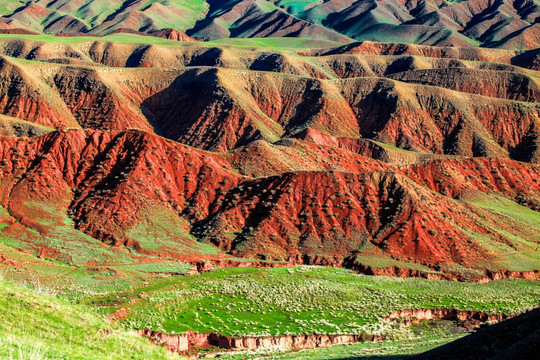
[
  {"x": 36, "y": 325},
  {"x": 509, "y": 24}
]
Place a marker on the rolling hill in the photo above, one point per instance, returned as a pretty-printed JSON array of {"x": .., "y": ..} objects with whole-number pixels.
[
  {"x": 224, "y": 176},
  {"x": 410, "y": 169},
  {"x": 510, "y": 24}
]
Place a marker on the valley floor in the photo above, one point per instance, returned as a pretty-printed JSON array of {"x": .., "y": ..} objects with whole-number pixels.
[{"x": 45, "y": 323}]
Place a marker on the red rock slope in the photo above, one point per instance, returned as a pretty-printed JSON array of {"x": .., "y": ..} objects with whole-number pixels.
[{"x": 388, "y": 164}]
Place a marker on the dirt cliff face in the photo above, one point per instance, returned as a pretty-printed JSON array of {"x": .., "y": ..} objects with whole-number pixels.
[
  {"x": 181, "y": 343},
  {"x": 471, "y": 319},
  {"x": 190, "y": 341}
]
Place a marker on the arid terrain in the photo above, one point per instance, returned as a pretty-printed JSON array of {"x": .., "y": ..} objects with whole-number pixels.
[{"x": 214, "y": 174}]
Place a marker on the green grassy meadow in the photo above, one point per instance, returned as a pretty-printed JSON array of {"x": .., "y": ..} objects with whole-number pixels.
[
  {"x": 303, "y": 300},
  {"x": 40, "y": 322},
  {"x": 61, "y": 312}
]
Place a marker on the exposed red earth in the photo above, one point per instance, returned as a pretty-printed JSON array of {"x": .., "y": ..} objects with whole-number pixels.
[
  {"x": 393, "y": 164},
  {"x": 392, "y": 138},
  {"x": 169, "y": 34},
  {"x": 391, "y": 159},
  {"x": 16, "y": 31},
  {"x": 369, "y": 102},
  {"x": 331, "y": 216},
  {"x": 182, "y": 343},
  {"x": 468, "y": 319}
]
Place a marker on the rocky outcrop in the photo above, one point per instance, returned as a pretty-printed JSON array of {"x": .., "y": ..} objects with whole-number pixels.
[
  {"x": 489, "y": 275},
  {"x": 507, "y": 274},
  {"x": 203, "y": 266}
]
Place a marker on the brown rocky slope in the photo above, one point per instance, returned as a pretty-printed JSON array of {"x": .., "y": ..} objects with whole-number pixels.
[{"x": 391, "y": 103}]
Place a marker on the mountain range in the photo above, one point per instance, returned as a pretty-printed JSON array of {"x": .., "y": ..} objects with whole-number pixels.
[
  {"x": 509, "y": 24},
  {"x": 406, "y": 159}
]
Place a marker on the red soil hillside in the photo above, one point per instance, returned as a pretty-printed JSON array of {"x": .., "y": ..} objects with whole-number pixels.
[
  {"x": 100, "y": 179},
  {"x": 121, "y": 54},
  {"x": 435, "y": 23},
  {"x": 101, "y": 17},
  {"x": 483, "y": 82},
  {"x": 204, "y": 107},
  {"x": 17, "y": 31},
  {"x": 459, "y": 53},
  {"x": 530, "y": 59},
  {"x": 255, "y": 18},
  {"x": 389, "y": 159},
  {"x": 401, "y": 214},
  {"x": 169, "y": 34},
  {"x": 10, "y": 126}
]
